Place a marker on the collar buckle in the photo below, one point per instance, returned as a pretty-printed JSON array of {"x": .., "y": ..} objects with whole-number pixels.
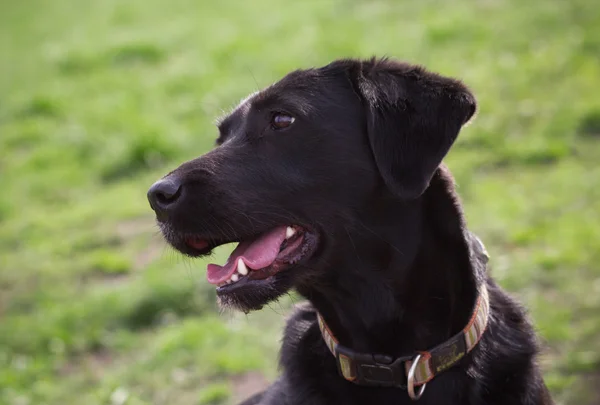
[{"x": 371, "y": 370}]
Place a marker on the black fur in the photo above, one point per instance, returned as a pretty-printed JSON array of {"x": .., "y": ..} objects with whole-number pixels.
[{"x": 396, "y": 271}]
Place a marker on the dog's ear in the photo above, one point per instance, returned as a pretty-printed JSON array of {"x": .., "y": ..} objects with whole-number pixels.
[{"x": 413, "y": 118}]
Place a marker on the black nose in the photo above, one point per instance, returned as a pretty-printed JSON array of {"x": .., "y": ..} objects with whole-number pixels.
[{"x": 164, "y": 194}]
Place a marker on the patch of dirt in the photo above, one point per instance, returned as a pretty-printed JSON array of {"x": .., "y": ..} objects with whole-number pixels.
[
  {"x": 136, "y": 226},
  {"x": 248, "y": 384},
  {"x": 155, "y": 248},
  {"x": 142, "y": 226},
  {"x": 95, "y": 362},
  {"x": 592, "y": 381}
]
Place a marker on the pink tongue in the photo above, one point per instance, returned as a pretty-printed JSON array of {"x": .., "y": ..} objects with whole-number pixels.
[{"x": 257, "y": 254}]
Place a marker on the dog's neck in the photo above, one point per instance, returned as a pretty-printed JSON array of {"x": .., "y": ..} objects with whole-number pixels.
[{"x": 410, "y": 284}]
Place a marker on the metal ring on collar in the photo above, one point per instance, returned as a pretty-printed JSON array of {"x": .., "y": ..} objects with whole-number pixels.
[{"x": 411, "y": 381}]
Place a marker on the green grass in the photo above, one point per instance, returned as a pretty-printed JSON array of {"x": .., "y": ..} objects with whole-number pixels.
[{"x": 98, "y": 99}]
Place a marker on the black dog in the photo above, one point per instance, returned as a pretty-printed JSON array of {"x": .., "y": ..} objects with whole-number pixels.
[{"x": 330, "y": 180}]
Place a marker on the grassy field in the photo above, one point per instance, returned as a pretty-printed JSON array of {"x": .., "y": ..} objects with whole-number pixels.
[{"x": 99, "y": 98}]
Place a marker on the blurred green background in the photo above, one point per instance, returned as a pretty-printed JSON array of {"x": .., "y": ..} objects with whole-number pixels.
[{"x": 100, "y": 98}]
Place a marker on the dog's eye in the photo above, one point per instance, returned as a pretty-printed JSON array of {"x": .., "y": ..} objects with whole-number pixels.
[{"x": 281, "y": 121}]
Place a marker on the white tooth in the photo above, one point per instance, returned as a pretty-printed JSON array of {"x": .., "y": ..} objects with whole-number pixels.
[
  {"x": 241, "y": 267},
  {"x": 289, "y": 232},
  {"x": 235, "y": 277}
]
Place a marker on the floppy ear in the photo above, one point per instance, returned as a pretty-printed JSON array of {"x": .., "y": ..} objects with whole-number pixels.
[{"x": 413, "y": 118}]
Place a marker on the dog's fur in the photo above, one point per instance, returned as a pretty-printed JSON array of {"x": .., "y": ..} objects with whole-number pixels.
[{"x": 396, "y": 271}]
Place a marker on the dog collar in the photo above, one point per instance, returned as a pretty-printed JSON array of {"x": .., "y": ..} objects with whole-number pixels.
[{"x": 411, "y": 371}]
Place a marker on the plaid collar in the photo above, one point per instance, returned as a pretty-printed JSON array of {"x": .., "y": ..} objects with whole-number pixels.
[{"x": 412, "y": 371}]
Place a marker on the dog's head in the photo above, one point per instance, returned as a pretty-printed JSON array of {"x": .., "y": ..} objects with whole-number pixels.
[{"x": 299, "y": 162}]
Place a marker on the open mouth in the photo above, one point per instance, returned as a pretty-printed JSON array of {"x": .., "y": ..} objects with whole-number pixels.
[{"x": 260, "y": 257}]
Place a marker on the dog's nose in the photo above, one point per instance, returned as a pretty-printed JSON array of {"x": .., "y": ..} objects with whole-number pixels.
[{"x": 164, "y": 194}]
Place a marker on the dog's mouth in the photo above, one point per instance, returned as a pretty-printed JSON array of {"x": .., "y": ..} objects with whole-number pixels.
[{"x": 258, "y": 258}]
